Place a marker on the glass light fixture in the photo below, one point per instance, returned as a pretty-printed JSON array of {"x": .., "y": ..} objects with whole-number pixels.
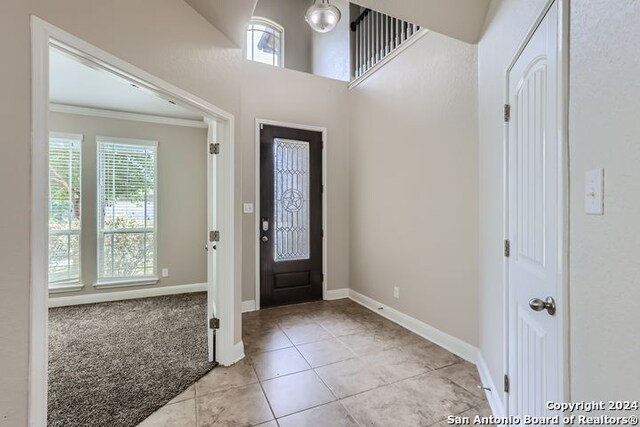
[{"x": 322, "y": 16}]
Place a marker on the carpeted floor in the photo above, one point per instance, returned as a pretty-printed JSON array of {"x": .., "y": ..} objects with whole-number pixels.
[{"x": 113, "y": 364}]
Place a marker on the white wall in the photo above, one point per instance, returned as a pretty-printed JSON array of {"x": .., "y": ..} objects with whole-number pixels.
[
  {"x": 507, "y": 24},
  {"x": 413, "y": 176},
  {"x": 605, "y": 133},
  {"x": 182, "y": 196},
  {"x": 300, "y": 98},
  {"x": 330, "y": 51},
  {"x": 174, "y": 43}
]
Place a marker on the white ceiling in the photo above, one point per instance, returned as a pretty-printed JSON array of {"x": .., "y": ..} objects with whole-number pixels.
[
  {"x": 74, "y": 83},
  {"x": 460, "y": 19},
  {"x": 229, "y": 16}
]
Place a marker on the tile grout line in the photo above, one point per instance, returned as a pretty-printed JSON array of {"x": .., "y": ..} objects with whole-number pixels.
[
  {"x": 264, "y": 393},
  {"x": 339, "y": 339}
]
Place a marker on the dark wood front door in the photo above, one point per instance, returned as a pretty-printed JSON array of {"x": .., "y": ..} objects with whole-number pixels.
[{"x": 290, "y": 216}]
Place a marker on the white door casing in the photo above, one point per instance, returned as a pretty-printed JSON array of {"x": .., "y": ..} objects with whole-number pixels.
[
  {"x": 535, "y": 221},
  {"x": 44, "y": 35},
  {"x": 212, "y": 185}
]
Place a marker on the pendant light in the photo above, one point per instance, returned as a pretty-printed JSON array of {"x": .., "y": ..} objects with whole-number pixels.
[{"x": 322, "y": 16}]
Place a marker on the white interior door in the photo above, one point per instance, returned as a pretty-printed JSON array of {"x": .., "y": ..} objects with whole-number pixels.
[
  {"x": 211, "y": 246},
  {"x": 534, "y": 219}
]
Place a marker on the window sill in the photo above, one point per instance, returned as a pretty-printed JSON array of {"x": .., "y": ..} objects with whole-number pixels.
[
  {"x": 122, "y": 283},
  {"x": 65, "y": 287}
]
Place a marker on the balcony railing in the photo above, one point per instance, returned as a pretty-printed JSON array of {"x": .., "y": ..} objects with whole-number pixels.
[{"x": 375, "y": 36}]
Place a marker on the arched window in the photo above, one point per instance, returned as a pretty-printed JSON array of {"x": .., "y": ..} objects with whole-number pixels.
[{"x": 265, "y": 42}]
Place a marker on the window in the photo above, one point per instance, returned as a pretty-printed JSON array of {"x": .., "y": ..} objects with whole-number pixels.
[
  {"x": 127, "y": 202},
  {"x": 64, "y": 209},
  {"x": 265, "y": 42}
]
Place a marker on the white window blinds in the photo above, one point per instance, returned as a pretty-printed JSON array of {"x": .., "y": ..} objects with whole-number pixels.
[
  {"x": 126, "y": 209},
  {"x": 64, "y": 208}
]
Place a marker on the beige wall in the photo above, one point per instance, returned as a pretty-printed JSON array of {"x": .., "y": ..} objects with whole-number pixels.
[
  {"x": 330, "y": 56},
  {"x": 507, "y": 24},
  {"x": 605, "y": 133},
  {"x": 299, "y": 98},
  {"x": 297, "y": 34},
  {"x": 182, "y": 195},
  {"x": 174, "y": 43},
  {"x": 413, "y": 175}
]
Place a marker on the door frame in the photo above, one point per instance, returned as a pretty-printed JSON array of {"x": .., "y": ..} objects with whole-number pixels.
[
  {"x": 43, "y": 35},
  {"x": 563, "y": 196},
  {"x": 256, "y": 210}
]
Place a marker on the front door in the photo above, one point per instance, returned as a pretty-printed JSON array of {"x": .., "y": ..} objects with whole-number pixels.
[
  {"x": 290, "y": 215},
  {"x": 534, "y": 224}
]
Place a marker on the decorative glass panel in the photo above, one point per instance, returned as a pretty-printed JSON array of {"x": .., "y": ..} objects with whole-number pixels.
[{"x": 291, "y": 194}]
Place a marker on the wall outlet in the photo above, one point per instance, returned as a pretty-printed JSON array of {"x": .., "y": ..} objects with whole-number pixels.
[
  {"x": 247, "y": 208},
  {"x": 396, "y": 292},
  {"x": 165, "y": 272}
]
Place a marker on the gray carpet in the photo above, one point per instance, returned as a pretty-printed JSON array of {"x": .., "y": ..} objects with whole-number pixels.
[{"x": 113, "y": 364}]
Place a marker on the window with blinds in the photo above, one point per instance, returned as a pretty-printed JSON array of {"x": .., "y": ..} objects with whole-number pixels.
[
  {"x": 127, "y": 202},
  {"x": 64, "y": 208}
]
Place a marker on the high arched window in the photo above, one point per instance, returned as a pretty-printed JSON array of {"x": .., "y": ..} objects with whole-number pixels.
[{"x": 265, "y": 42}]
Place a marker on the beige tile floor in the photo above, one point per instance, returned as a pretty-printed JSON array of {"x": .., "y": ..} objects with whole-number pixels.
[{"x": 329, "y": 364}]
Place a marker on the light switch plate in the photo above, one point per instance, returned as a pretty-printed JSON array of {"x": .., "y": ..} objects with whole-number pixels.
[
  {"x": 594, "y": 192},
  {"x": 247, "y": 208}
]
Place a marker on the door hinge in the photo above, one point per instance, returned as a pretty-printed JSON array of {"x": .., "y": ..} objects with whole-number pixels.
[
  {"x": 507, "y": 248},
  {"x": 214, "y": 148},
  {"x": 214, "y": 236},
  {"x": 322, "y": 233},
  {"x": 507, "y": 112},
  {"x": 214, "y": 323},
  {"x": 506, "y": 383}
]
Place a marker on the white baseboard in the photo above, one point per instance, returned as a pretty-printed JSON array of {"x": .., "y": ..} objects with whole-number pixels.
[
  {"x": 333, "y": 294},
  {"x": 493, "y": 395},
  {"x": 237, "y": 354},
  {"x": 248, "y": 306},
  {"x": 124, "y": 295},
  {"x": 451, "y": 343}
]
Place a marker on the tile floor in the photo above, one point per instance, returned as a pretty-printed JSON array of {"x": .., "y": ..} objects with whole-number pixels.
[{"x": 329, "y": 363}]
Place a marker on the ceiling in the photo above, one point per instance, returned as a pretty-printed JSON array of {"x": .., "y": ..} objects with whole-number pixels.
[
  {"x": 74, "y": 83},
  {"x": 460, "y": 19},
  {"x": 229, "y": 16}
]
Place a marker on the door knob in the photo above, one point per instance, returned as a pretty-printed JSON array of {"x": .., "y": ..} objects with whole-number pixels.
[
  {"x": 265, "y": 239},
  {"x": 537, "y": 304}
]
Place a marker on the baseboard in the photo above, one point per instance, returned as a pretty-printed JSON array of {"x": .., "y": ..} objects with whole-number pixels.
[
  {"x": 237, "y": 354},
  {"x": 124, "y": 295},
  {"x": 451, "y": 343},
  {"x": 248, "y": 306},
  {"x": 493, "y": 394},
  {"x": 333, "y": 294}
]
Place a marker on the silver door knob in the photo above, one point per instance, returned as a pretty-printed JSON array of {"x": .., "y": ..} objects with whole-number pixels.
[
  {"x": 537, "y": 304},
  {"x": 265, "y": 239}
]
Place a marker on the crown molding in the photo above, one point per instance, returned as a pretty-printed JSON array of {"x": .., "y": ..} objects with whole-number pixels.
[{"x": 122, "y": 115}]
